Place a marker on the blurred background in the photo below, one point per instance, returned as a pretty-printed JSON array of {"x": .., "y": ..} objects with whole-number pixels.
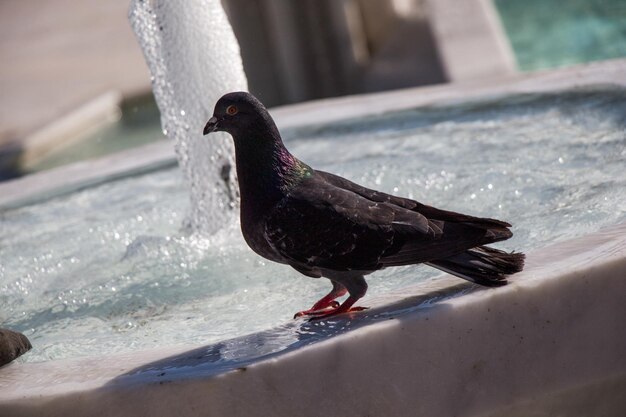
[{"x": 74, "y": 84}]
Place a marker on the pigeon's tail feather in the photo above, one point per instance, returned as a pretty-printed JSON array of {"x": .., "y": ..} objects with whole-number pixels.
[{"x": 482, "y": 265}]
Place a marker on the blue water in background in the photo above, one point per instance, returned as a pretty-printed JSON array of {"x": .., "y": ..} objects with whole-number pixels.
[{"x": 556, "y": 33}]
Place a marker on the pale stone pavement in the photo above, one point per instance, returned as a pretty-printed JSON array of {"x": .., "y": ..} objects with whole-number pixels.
[{"x": 59, "y": 54}]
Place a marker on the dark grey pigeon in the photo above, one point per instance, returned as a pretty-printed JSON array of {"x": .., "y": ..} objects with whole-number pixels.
[{"x": 326, "y": 226}]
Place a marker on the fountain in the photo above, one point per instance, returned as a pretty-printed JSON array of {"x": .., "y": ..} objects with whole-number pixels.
[
  {"x": 130, "y": 316},
  {"x": 194, "y": 59}
]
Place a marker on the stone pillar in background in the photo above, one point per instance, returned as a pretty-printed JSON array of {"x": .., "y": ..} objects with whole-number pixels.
[
  {"x": 297, "y": 51},
  {"x": 470, "y": 39}
]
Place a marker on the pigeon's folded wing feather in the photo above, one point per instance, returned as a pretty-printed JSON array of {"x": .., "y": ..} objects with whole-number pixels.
[
  {"x": 319, "y": 225},
  {"x": 427, "y": 211}
]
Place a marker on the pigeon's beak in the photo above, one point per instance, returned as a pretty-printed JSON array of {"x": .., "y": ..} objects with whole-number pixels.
[{"x": 211, "y": 125}]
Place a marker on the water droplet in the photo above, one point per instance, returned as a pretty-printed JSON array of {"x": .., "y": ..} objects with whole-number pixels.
[
  {"x": 490, "y": 186},
  {"x": 473, "y": 196}
]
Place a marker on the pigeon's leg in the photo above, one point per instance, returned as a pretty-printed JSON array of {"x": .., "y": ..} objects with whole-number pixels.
[
  {"x": 357, "y": 287},
  {"x": 327, "y": 301}
]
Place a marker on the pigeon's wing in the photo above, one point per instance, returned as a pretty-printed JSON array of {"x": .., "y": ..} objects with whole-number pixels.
[
  {"x": 427, "y": 211},
  {"x": 320, "y": 225},
  {"x": 453, "y": 232}
]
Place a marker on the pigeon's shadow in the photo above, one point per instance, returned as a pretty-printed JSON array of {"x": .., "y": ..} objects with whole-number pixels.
[{"x": 238, "y": 353}]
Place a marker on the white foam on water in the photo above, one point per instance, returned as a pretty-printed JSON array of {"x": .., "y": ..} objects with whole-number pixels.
[{"x": 194, "y": 59}]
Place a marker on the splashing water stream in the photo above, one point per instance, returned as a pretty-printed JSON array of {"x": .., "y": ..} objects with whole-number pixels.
[{"x": 194, "y": 59}]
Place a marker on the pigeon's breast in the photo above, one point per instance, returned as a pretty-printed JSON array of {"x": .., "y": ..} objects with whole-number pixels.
[
  {"x": 253, "y": 230},
  {"x": 258, "y": 244}
]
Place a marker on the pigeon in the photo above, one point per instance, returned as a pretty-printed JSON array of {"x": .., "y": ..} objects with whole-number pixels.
[{"x": 323, "y": 225}]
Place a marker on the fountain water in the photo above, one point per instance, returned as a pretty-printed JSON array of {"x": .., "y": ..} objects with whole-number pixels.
[{"x": 194, "y": 58}]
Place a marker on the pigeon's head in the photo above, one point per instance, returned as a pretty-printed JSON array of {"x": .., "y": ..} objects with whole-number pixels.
[{"x": 235, "y": 112}]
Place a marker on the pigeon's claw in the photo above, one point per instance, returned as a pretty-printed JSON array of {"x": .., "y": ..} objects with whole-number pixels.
[
  {"x": 346, "y": 307},
  {"x": 326, "y": 303},
  {"x": 313, "y": 312},
  {"x": 334, "y": 313}
]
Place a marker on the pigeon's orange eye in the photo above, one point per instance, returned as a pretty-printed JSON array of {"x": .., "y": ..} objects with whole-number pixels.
[{"x": 232, "y": 110}]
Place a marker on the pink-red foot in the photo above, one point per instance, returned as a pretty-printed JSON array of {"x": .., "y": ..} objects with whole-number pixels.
[
  {"x": 336, "y": 312},
  {"x": 326, "y": 304},
  {"x": 346, "y": 307},
  {"x": 315, "y": 311}
]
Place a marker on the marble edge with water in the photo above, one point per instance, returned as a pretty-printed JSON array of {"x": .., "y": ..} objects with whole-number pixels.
[{"x": 21, "y": 380}]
